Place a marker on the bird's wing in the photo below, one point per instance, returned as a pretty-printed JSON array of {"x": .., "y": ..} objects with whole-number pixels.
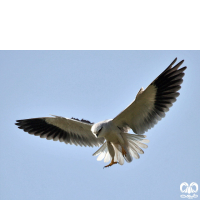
[
  {"x": 70, "y": 131},
  {"x": 151, "y": 104}
]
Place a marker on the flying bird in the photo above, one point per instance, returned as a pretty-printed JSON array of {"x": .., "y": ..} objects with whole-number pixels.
[{"x": 149, "y": 107}]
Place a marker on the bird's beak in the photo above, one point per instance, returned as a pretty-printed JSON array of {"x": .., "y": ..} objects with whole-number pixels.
[{"x": 97, "y": 135}]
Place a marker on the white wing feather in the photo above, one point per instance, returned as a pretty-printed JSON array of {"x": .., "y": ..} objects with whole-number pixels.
[
  {"x": 63, "y": 129},
  {"x": 151, "y": 104}
]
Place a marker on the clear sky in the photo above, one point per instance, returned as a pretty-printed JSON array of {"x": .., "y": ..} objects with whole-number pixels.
[{"x": 94, "y": 85}]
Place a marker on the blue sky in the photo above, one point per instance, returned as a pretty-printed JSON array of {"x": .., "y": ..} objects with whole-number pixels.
[{"x": 94, "y": 85}]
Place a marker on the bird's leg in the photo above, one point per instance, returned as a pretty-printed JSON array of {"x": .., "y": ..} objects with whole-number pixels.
[
  {"x": 112, "y": 163},
  {"x": 123, "y": 152}
]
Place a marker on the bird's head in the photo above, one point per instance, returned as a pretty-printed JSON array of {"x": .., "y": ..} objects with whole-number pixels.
[{"x": 97, "y": 129}]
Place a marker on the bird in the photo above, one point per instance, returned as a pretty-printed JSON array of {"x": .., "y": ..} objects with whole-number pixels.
[{"x": 112, "y": 135}]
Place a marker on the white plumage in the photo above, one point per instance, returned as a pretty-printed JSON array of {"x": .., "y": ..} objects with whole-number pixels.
[{"x": 149, "y": 107}]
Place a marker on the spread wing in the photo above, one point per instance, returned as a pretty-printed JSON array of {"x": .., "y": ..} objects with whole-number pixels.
[
  {"x": 151, "y": 104},
  {"x": 70, "y": 131}
]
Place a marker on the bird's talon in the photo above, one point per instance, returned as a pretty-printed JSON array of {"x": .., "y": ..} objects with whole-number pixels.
[{"x": 112, "y": 163}]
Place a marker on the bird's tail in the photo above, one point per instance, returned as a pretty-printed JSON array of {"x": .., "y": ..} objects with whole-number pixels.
[
  {"x": 131, "y": 149},
  {"x": 133, "y": 145}
]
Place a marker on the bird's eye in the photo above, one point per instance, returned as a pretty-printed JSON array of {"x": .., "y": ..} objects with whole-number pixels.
[{"x": 100, "y": 130}]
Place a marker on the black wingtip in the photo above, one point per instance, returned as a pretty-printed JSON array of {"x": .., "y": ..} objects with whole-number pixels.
[
  {"x": 181, "y": 62},
  {"x": 17, "y": 122},
  {"x": 174, "y": 61}
]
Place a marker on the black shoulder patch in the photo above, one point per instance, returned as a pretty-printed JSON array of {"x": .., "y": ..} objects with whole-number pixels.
[{"x": 82, "y": 120}]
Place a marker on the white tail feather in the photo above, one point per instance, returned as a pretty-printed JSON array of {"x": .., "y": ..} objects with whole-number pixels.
[
  {"x": 133, "y": 152},
  {"x": 133, "y": 145},
  {"x": 145, "y": 141},
  {"x": 118, "y": 155},
  {"x": 101, "y": 156},
  {"x": 101, "y": 149},
  {"x": 107, "y": 157},
  {"x": 136, "y": 147},
  {"x": 140, "y": 144},
  {"x": 128, "y": 156}
]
